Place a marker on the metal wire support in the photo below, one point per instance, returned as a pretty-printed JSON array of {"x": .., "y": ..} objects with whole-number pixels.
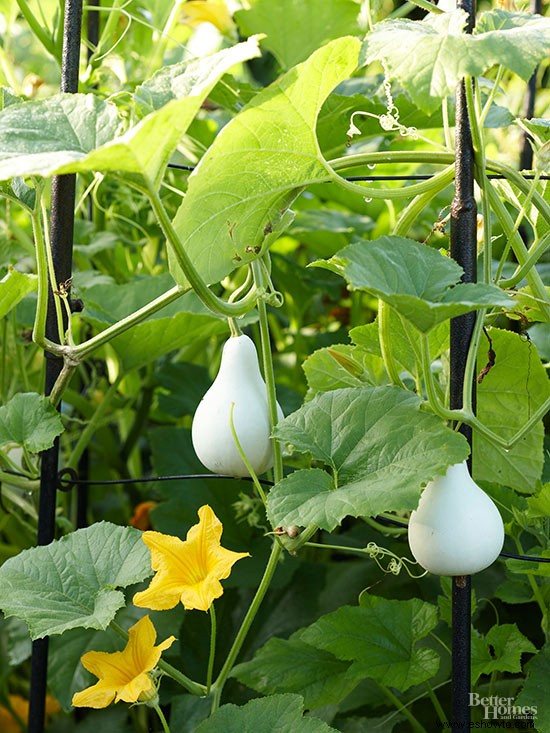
[
  {"x": 463, "y": 251},
  {"x": 61, "y": 235}
]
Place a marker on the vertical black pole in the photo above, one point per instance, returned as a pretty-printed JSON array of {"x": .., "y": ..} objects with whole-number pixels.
[
  {"x": 526, "y": 153},
  {"x": 464, "y": 251},
  {"x": 61, "y": 234}
]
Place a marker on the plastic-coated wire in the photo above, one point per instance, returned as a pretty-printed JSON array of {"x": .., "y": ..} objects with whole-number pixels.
[
  {"x": 419, "y": 177},
  {"x": 68, "y": 477}
]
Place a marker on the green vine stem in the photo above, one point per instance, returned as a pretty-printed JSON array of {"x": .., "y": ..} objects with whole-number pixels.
[
  {"x": 415, "y": 724},
  {"x": 37, "y": 29},
  {"x": 269, "y": 375},
  {"x": 163, "y": 720},
  {"x": 384, "y": 336},
  {"x": 190, "y": 685},
  {"x": 536, "y": 251},
  {"x": 212, "y": 653},
  {"x": 520, "y": 251},
  {"x": 249, "y": 468},
  {"x": 92, "y": 424},
  {"x": 435, "y": 702},
  {"x": 87, "y": 347},
  {"x": 20, "y": 482},
  {"x": 211, "y": 301},
  {"x": 217, "y": 687}
]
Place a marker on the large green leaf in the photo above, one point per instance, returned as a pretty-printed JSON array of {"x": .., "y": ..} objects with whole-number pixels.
[
  {"x": 428, "y": 57},
  {"x": 296, "y": 28},
  {"x": 29, "y": 420},
  {"x": 13, "y": 288},
  {"x": 416, "y": 280},
  {"x": 244, "y": 184},
  {"x": 52, "y": 135},
  {"x": 281, "y": 713},
  {"x": 380, "y": 638},
  {"x": 378, "y": 443},
  {"x": 73, "y": 581},
  {"x": 508, "y": 395},
  {"x": 293, "y": 666},
  {"x": 535, "y": 689},
  {"x": 78, "y": 132}
]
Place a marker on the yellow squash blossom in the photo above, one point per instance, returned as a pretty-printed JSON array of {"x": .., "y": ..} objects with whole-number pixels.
[
  {"x": 215, "y": 12},
  {"x": 20, "y": 706},
  {"x": 188, "y": 571},
  {"x": 123, "y": 675}
]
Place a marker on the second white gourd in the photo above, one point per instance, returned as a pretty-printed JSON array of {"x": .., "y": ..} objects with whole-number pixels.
[
  {"x": 457, "y": 529},
  {"x": 239, "y": 381}
]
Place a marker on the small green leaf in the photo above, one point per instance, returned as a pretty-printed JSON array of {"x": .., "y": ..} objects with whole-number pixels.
[
  {"x": 333, "y": 368},
  {"x": 380, "y": 638},
  {"x": 68, "y": 584},
  {"x": 29, "y": 420},
  {"x": 377, "y": 441},
  {"x": 189, "y": 78},
  {"x": 296, "y": 28},
  {"x": 13, "y": 288},
  {"x": 293, "y": 666},
  {"x": 416, "y": 280},
  {"x": 281, "y": 713},
  {"x": 508, "y": 395},
  {"x": 428, "y": 57},
  {"x": 500, "y": 650},
  {"x": 257, "y": 165}
]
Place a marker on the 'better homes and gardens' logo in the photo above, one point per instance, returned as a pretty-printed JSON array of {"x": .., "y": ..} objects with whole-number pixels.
[{"x": 502, "y": 708}]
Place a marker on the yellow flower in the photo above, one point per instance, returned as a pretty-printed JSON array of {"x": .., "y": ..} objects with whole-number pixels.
[
  {"x": 123, "y": 675},
  {"x": 20, "y": 706},
  {"x": 188, "y": 571},
  {"x": 196, "y": 12}
]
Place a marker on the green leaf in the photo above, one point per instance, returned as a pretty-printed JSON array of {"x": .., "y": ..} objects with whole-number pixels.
[
  {"x": 333, "y": 368},
  {"x": 293, "y": 666},
  {"x": 508, "y": 395},
  {"x": 54, "y": 135},
  {"x": 74, "y": 132},
  {"x": 296, "y": 28},
  {"x": 377, "y": 441},
  {"x": 29, "y": 420},
  {"x": 380, "y": 638},
  {"x": 507, "y": 644},
  {"x": 191, "y": 78},
  {"x": 428, "y": 57},
  {"x": 413, "y": 278},
  {"x": 13, "y": 288},
  {"x": 259, "y": 162},
  {"x": 535, "y": 689},
  {"x": 404, "y": 341},
  {"x": 72, "y": 582},
  {"x": 281, "y": 713}
]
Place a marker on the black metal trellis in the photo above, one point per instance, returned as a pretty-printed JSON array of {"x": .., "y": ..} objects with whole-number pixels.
[
  {"x": 61, "y": 236},
  {"x": 463, "y": 251}
]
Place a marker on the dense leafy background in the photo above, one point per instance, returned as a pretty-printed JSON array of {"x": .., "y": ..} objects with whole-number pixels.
[{"x": 339, "y": 635}]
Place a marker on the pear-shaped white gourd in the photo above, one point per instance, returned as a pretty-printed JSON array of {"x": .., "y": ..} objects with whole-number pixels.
[
  {"x": 457, "y": 529},
  {"x": 238, "y": 382}
]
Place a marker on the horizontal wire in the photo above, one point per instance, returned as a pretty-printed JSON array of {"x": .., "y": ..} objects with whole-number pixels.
[
  {"x": 65, "y": 484},
  {"x": 419, "y": 177}
]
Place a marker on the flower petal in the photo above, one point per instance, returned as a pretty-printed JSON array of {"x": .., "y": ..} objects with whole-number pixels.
[{"x": 99, "y": 695}]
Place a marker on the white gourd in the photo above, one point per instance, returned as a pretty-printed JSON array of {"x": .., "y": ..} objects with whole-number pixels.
[
  {"x": 456, "y": 529},
  {"x": 239, "y": 381}
]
